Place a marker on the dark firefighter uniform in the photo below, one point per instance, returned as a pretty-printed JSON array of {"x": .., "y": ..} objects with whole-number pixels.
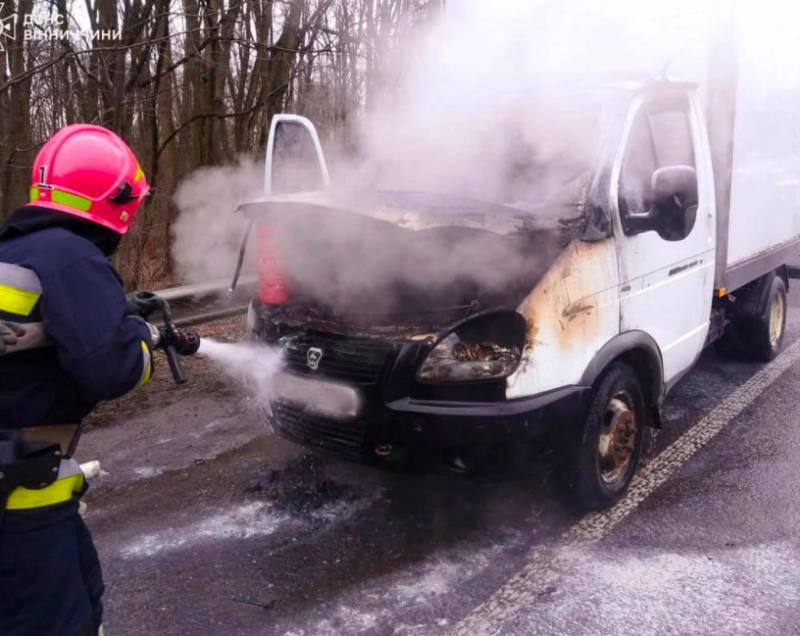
[{"x": 56, "y": 280}]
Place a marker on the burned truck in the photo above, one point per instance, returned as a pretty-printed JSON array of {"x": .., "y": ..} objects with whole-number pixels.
[{"x": 415, "y": 321}]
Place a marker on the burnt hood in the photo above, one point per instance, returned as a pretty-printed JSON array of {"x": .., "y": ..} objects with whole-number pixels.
[{"x": 414, "y": 259}]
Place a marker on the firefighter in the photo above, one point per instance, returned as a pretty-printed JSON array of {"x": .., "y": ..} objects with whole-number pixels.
[{"x": 68, "y": 342}]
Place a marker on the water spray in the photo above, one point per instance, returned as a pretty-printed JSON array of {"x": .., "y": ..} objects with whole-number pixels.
[{"x": 253, "y": 364}]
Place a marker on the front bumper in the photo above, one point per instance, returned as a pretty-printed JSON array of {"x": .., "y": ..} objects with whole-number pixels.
[
  {"x": 552, "y": 419},
  {"x": 394, "y": 410}
]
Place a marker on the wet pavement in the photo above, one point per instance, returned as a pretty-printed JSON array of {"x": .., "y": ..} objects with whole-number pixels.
[{"x": 208, "y": 524}]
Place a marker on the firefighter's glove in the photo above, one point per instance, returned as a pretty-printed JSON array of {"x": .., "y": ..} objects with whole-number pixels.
[
  {"x": 9, "y": 333},
  {"x": 186, "y": 342},
  {"x": 142, "y": 303}
]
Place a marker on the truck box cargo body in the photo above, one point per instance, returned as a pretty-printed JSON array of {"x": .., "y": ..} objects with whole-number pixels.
[
  {"x": 764, "y": 173},
  {"x": 560, "y": 324}
]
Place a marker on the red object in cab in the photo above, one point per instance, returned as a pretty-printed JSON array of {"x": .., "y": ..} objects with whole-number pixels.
[{"x": 272, "y": 284}]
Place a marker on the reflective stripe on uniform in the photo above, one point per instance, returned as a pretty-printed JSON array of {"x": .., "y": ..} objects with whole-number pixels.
[
  {"x": 17, "y": 301},
  {"x": 20, "y": 277},
  {"x": 69, "y": 482},
  {"x": 147, "y": 364},
  {"x": 20, "y": 289}
]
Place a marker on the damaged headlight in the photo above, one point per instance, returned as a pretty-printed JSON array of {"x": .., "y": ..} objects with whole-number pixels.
[{"x": 485, "y": 348}]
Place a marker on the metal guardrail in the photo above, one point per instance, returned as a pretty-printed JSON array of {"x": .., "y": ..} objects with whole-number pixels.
[
  {"x": 204, "y": 302},
  {"x": 209, "y": 316}
]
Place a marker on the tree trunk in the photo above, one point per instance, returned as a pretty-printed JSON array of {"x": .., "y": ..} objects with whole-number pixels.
[{"x": 17, "y": 144}]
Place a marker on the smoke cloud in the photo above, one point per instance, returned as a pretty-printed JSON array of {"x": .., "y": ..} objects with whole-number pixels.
[
  {"x": 489, "y": 104},
  {"x": 361, "y": 267},
  {"x": 207, "y": 233}
]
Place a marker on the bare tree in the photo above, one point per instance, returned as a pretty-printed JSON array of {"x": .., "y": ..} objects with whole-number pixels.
[{"x": 188, "y": 83}]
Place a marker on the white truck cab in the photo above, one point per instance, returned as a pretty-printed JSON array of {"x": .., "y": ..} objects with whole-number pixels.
[
  {"x": 670, "y": 254},
  {"x": 651, "y": 261}
]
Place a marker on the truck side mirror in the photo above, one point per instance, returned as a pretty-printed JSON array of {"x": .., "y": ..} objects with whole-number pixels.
[
  {"x": 674, "y": 190},
  {"x": 675, "y": 181}
]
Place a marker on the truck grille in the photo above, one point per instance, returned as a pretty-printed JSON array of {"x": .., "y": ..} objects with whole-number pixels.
[
  {"x": 352, "y": 360},
  {"x": 343, "y": 437}
]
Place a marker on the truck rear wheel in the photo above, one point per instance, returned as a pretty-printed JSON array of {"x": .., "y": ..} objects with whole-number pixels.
[
  {"x": 599, "y": 470},
  {"x": 759, "y": 337}
]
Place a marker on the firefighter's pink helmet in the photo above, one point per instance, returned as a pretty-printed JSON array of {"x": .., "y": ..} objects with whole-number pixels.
[{"x": 91, "y": 173}]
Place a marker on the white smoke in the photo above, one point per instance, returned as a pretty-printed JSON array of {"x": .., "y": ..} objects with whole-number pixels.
[
  {"x": 497, "y": 82},
  {"x": 484, "y": 105},
  {"x": 207, "y": 233}
]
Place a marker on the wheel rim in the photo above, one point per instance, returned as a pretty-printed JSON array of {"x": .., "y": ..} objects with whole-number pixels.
[
  {"x": 776, "y": 313},
  {"x": 617, "y": 439}
]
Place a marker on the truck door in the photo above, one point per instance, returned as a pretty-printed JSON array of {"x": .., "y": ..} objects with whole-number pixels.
[
  {"x": 294, "y": 161},
  {"x": 665, "y": 225}
]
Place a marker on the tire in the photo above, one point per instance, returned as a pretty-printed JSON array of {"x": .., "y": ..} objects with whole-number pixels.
[
  {"x": 595, "y": 475},
  {"x": 758, "y": 338},
  {"x": 767, "y": 331}
]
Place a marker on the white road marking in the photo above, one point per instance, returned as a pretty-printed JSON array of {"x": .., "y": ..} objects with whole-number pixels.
[{"x": 546, "y": 563}]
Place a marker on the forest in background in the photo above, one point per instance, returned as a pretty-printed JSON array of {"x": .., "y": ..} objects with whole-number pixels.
[{"x": 190, "y": 83}]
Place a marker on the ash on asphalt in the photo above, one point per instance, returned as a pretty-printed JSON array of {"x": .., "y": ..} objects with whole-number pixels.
[{"x": 300, "y": 487}]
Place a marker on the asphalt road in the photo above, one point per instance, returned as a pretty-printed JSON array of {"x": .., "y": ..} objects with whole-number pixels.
[{"x": 208, "y": 524}]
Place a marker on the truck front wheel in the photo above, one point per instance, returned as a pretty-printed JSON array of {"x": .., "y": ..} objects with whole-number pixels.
[{"x": 599, "y": 470}]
